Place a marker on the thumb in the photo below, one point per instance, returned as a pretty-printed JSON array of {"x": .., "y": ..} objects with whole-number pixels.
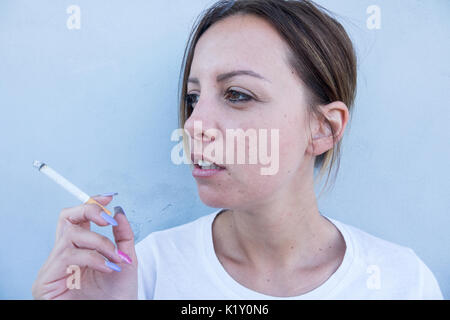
[{"x": 123, "y": 234}]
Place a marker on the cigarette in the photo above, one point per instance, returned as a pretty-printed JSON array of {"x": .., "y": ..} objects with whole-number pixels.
[{"x": 66, "y": 184}]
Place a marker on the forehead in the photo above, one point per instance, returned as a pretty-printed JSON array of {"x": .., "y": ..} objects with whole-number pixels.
[{"x": 240, "y": 42}]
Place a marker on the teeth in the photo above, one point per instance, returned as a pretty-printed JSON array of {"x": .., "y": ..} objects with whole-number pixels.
[
  {"x": 207, "y": 165},
  {"x": 204, "y": 163}
]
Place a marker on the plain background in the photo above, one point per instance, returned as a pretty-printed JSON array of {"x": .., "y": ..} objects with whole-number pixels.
[{"x": 99, "y": 104}]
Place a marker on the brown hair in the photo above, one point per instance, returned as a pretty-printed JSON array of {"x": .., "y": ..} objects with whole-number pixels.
[{"x": 321, "y": 53}]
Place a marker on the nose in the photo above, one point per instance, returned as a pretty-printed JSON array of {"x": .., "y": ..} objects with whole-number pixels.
[{"x": 201, "y": 121}]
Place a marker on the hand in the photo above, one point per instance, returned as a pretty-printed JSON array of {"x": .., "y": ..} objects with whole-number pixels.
[{"x": 77, "y": 245}]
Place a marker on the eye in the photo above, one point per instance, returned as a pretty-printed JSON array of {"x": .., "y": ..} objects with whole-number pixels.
[
  {"x": 191, "y": 99},
  {"x": 236, "y": 97}
]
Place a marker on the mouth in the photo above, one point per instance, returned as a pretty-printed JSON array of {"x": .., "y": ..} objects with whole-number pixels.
[
  {"x": 205, "y": 165},
  {"x": 205, "y": 168},
  {"x": 202, "y": 172}
]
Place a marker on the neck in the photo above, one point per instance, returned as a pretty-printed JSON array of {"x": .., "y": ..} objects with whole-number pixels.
[{"x": 284, "y": 231}]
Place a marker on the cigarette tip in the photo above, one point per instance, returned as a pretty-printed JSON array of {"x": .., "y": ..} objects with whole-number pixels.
[{"x": 37, "y": 164}]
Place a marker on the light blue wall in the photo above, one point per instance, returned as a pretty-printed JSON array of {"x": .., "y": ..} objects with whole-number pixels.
[{"x": 99, "y": 104}]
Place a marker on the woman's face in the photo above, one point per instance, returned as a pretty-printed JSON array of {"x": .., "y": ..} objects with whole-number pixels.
[{"x": 273, "y": 98}]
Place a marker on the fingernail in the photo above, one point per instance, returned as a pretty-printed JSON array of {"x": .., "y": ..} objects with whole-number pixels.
[
  {"x": 110, "y": 194},
  {"x": 123, "y": 256},
  {"x": 118, "y": 209},
  {"x": 109, "y": 219},
  {"x": 112, "y": 266}
]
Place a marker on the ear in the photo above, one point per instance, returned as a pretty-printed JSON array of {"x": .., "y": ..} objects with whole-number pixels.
[{"x": 322, "y": 135}]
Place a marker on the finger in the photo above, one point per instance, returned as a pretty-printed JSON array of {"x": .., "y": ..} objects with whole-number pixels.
[
  {"x": 76, "y": 236},
  {"x": 102, "y": 199},
  {"x": 87, "y": 258},
  {"x": 75, "y": 257},
  {"x": 123, "y": 235},
  {"x": 93, "y": 201},
  {"x": 85, "y": 213}
]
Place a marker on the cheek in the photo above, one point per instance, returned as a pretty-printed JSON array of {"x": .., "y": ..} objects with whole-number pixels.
[
  {"x": 292, "y": 147},
  {"x": 280, "y": 139},
  {"x": 245, "y": 182},
  {"x": 293, "y": 138},
  {"x": 248, "y": 180},
  {"x": 248, "y": 185}
]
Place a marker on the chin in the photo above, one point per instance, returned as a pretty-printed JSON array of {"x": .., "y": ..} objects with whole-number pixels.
[
  {"x": 212, "y": 196},
  {"x": 213, "y": 200},
  {"x": 218, "y": 199}
]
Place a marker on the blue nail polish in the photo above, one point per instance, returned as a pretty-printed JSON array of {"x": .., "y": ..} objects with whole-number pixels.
[
  {"x": 109, "y": 219},
  {"x": 110, "y": 194},
  {"x": 113, "y": 266},
  {"x": 118, "y": 209}
]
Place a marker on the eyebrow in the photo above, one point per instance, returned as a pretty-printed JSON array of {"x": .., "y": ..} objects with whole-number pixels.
[{"x": 228, "y": 75}]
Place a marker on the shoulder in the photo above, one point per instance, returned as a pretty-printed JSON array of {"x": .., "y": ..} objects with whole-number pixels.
[
  {"x": 372, "y": 248},
  {"x": 178, "y": 239},
  {"x": 398, "y": 267},
  {"x": 169, "y": 256}
]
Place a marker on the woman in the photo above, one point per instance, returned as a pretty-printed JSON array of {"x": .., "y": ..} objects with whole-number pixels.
[{"x": 249, "y": 65}]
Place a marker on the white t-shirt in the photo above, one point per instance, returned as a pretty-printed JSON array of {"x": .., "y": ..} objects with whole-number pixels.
[{"x": 180, "y": 263}]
